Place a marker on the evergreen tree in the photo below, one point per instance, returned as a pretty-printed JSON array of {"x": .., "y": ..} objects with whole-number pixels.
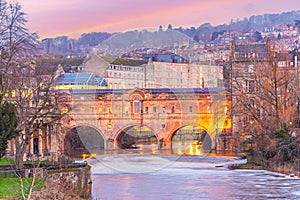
[
  {"x": 160, "y": 29},
  {"x": 8, "y": 125}
]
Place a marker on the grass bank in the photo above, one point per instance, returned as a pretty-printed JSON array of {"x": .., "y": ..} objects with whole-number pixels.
[
  {"x": 6, "y": 161},
  {"x": 246, "y": 166},
  {"x": 11, "y": 187}
]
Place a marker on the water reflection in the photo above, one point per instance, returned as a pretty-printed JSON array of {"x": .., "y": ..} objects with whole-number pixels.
[
  {"x": 178, "y": 148},
  {"x": 188, "y": 148}
]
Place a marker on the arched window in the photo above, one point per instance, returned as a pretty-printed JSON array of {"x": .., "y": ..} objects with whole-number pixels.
[
  {"x": 136, "y": 106},
  {"x": 173, "y": 109}
]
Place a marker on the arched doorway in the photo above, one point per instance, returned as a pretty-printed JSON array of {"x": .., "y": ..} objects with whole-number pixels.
[
  {"x": 83, "y": 140},
  {"x": 191, "y": 140},
  {"x": 137, "y": 137}
]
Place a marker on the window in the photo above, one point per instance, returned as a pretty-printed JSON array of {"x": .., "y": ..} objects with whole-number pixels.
[
  {"x": 154, "y": 109},
  {"x": 191, "y": 109},
  {"x": 35, "y": 145},
  {"x": 251, "y": 86},
  {"x": 164, "y": 109},
  {"x": 251, "y": 102},
  {"x": 136, "y": 106},
  {"x": 146, "y": 109},
  {"x": 251, "y": 68},
  {"x": 173, "y": 109}
]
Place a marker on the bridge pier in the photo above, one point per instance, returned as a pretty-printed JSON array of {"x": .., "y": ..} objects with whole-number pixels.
[
  {"x": 109, "y": 144},
  {"x": 167, "y": 144}
]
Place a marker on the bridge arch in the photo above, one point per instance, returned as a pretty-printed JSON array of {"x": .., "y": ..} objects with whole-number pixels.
[
  {"x": 190, "y": 139},
  {"x": 83, "y": 139},
  {"x": 136, "y": 137}
]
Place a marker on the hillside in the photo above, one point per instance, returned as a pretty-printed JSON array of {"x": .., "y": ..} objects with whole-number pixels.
[
  {"x": 254, "y": 23},
  {"x": 118, "y": 43},
  {"x": 121, "y": 43}
]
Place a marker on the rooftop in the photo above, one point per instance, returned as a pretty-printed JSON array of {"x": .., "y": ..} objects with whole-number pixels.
[
  {"x": 155, "y": 91},
  {"x": 122, "y": 61},
  {"x": 76, "y": 79}
]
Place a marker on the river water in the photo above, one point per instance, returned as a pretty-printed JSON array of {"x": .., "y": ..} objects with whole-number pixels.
[{"x": 135, "y": 176}]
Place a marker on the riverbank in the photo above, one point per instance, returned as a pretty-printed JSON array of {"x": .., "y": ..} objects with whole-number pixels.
[
  {"x": 65, "y": 181},
  {"x": 255, "y": 163}
]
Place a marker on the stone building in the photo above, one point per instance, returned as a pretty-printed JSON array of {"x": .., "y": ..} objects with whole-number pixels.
[
  {"x": 191, "y": 121},
  {"x": 264, "y": 86},
  {"x": 128, "y": 74}
]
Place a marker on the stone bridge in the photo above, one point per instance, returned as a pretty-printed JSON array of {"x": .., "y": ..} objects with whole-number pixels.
[{"x": 116, "y": 119}]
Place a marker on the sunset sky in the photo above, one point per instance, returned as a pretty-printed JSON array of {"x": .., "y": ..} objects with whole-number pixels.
[{"x": 51, "y": 18}]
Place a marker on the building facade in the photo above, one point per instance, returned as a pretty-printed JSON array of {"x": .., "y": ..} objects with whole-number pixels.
[
  {"x": 264, "y": 86},
  {"x": 128, "y": 74},
  {"x": 97, "y": 121}
]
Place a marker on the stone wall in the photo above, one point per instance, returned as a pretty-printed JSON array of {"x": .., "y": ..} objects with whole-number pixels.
[{"x": 68, "y": 183}]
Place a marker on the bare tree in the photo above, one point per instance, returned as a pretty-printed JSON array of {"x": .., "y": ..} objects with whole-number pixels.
[
  {"x": 30, "y": 92},
  {"x": 21, "y": 85},
  {"x": 263, "y": 94}
]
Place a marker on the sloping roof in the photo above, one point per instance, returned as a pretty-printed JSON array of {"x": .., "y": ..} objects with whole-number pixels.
[
  {"x": 122, "y": 61},
  {"x": 128, "y": 62},
  {"x": 250, "y": 48},
  {"x": 108, "y": 59},
  {"x": 101, "y": 81},
  {"x": 76, "y": 78},
  {"x": 68, "y": 68}
]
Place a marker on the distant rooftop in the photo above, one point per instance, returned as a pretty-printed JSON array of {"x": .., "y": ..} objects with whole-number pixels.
[
  {"x": 176, "y": 91},
  {"x": 250, "y": 48},
  {"x": 128, "y": 62},
  {"x": 164, "y": 57},
  {"x": 122, "y": 61},
  {"x": 101, "y": 82},
  {"x": 76, "y": 79}
]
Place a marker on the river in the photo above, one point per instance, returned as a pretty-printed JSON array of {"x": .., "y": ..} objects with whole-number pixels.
[{"x": 138, "y": 176}]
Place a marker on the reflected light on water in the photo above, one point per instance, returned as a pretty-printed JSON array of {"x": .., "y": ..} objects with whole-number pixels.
[{"x": 193, "y": 148}]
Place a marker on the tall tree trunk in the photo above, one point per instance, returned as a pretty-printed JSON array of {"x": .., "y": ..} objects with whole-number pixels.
[{"x": 20, "y": 151}]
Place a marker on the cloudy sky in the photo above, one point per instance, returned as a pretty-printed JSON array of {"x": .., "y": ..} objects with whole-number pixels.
[{"x": 50, "y": 18}]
